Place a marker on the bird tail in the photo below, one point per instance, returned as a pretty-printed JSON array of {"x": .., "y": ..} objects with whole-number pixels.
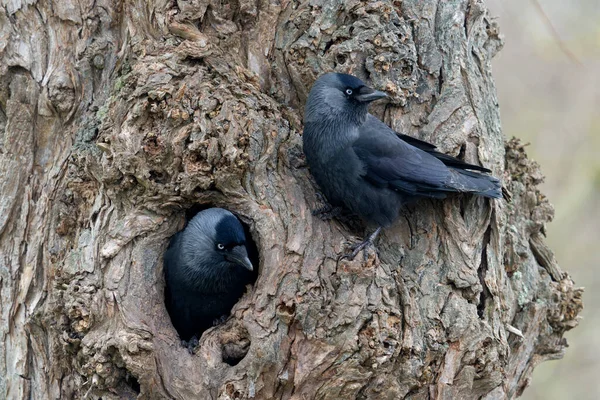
[{"x": 473, "y": 182}]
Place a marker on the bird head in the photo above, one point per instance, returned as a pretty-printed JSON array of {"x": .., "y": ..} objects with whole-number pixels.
[
  {"x": 230, "y": 242},
  {"x": 340, "y": 95},
  {"x": 215, "y": 237}
]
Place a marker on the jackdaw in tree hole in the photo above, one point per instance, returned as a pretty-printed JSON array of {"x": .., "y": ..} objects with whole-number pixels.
[
  {"x": 206, "y": 271},
  {"x": 362, "y": 164}
]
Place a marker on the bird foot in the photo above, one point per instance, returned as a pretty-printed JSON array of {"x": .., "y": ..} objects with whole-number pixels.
[
  {"x": 191, "y": 344},
  {"x": 357, "y": 248},
  {"x": 364, "y": 245}
]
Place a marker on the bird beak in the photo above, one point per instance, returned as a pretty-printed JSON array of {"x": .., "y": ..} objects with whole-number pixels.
[
  {"x": 239, "y": 255},
  {"x": 367, "y": 94}
]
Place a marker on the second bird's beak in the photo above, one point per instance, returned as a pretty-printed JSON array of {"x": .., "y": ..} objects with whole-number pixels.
[
  {"x": 239, "y": 255},
  {"x": 367, "y": 94}
]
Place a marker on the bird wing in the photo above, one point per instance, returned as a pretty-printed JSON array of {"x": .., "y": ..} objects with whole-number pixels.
[
  {"x": 445, "y": 158},
  {"x": 373, "y": 123},
  {"x": 413, "y": 166},
  {"x": 391, "y": 161}
]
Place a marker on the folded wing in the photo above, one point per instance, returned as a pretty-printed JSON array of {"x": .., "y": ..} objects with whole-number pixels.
[{"x": 414, "y": 167}]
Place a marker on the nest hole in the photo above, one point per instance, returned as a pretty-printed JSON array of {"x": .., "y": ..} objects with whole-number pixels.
[{"x": 178, "y": 310}]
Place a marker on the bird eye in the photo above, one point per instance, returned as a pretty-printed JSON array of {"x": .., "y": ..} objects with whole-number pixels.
[
  {"x": 349, "y": 92},
  {"x": 220, "y": 246}
]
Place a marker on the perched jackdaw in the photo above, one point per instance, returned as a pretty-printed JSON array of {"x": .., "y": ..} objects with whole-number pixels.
[
  {"x": 206, "y": 271},
  {"x": 362, "y": 164}
]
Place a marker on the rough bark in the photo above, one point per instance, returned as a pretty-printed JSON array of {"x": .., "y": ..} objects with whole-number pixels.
[{"x": 117, "y": 117}]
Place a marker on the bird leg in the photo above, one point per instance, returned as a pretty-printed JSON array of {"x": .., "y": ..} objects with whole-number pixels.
[
  {"x": 368, "y": 242},
  {"x": 327, "y": 211}
]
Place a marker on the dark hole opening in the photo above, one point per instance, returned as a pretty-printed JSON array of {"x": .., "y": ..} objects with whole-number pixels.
[
  {"x": 93, "y": 217},
  {"x": 328, "y": 46},
  {"x": 341, "y": 59},
  {"x": 461, "y": 152},
  {"x": 133, "y": 383},
  {"x": 157, "y": 176},
  {"x": 463, "y": 206}
]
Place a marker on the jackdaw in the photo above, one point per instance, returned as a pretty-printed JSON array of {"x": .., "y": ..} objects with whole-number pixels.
[
  {"x": 362, "y": 164},
  {"x": 206, "y": 271}
]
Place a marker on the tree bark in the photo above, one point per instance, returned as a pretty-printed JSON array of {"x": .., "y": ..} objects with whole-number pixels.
[{"x": 117, "y": 117}]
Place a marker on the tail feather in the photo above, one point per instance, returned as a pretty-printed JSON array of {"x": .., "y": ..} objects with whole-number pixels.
[{"x": 472, "y": 182}]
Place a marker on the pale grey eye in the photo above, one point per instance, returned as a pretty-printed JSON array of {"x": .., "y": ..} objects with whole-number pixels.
[
  {"x": 220, "y": 246},
  {"x": 349, "y": 92}
]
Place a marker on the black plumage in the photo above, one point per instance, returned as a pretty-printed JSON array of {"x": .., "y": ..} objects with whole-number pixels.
[
  {"x": 362, "y": 164},
  {"x": 206, "y": 271}
]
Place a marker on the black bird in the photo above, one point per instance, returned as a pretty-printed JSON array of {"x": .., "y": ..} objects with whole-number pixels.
[
  {"x": 206, "y": 271},
  {"x": 364, "y": 165}
]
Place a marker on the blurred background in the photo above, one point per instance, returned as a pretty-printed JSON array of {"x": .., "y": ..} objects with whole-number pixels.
[{"x": 547, "y": 78}]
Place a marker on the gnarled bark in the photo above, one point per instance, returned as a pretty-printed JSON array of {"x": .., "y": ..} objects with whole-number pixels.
[{"x": 119, "y": 117}]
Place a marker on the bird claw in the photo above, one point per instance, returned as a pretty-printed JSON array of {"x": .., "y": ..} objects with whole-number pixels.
[
  {"x": 357, "y": 248},
  {"x": 364, "y": 245}
]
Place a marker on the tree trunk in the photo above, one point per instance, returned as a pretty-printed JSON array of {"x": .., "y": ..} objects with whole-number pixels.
[{"x": 117, "y": 117}]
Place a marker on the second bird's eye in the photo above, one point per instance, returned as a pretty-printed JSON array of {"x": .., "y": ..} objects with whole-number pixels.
[
  {"x": 220, "y": 246},
  {"x": 349, "y": 92}
]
